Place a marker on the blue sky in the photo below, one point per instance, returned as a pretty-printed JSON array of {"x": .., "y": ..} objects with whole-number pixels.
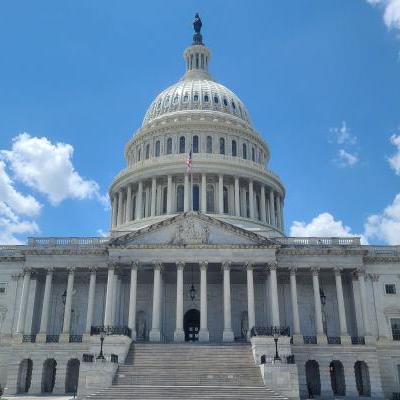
[{"x": 321, "y": 80}]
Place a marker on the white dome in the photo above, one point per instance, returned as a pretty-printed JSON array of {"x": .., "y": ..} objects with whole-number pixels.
[{"x": 196, "y": 94}]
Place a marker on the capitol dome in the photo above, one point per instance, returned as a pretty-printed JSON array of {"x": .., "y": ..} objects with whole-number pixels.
[{"x": 197, "y": 150}]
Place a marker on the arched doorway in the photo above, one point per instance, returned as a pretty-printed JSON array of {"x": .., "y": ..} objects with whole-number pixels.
[
  {"x": 141, "y": 326},
  {"x": 72, "y": 376},
  {"x": 24, "y": 376},
  {"x": 49, "y": 375},
  {"x": 191, "y": 325},
  {"x": 313, "y": 378},
  {"x": 362, "y": 378},
  {"x": 337, "y": 378}
]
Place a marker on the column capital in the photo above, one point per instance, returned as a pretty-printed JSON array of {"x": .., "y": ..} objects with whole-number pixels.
[
  {"x": 374, "y": 277},
  {"x": 293, "y": 270},
  {"x": 27, "y": 271},
  {"x": 134, "y": 264},
  {"x": 360, "y": 271},
  {"x": 180, "y": 265},
  {"x": 112, "y": 265},
  {"x": 338, "y": 270},
  {"x": 226, "y": 265},
  {"x": 272, "y": 266},
  {"x": 93, "y": 268},
  {"x": 71, "y": 269},
  {"x": 158, "y": 266},
  {"x": 315, "y": 270},
  {"x": 203, "y": 265},
  {"x": 49, "y": 270},
  {"x": 249, "y": 265}
]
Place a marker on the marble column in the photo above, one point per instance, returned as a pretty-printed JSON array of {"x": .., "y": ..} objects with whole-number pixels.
[
  {"x": 153, "y": 196},
  {"x": 278, "y": 211},
  {"x": 169, "y": 194},
  {"x": 237, "y": 197},
  {"x": 274, "y": 293},
  {"x": 68, "y": 306},
  {"x": 263, "y": 215},
  {"x": 186, "y": 202},
  {"x": 109, "y": 296},
  {"x": 179, "y": 334},
  {"x": 139, "y": 201},
  {"x": 251, "y": 199},
  {"x": 120, "y": 212},
  {"x": 203, "y": 334},
  {"x": 251, "y": 312},
  {"x": 363, "y": 298},
  {"x": 44, "y": 320},
  {"x": 384, "y": 332},
  {"x": 319, "y": 326},
  {"x": 114, "y": 209},
  {"x": 155, "y": 333},
  {"x": 203, "y": 201},
  {"x": 132, "y": 300},
  {"x": 345, "y": 339},
  {"x": 221, "y": 194},
  {"x": 272, "y": 219},
  {"x": 228, "y": 333},
  {"x": 295, "y": 305},
  {"x": 128, "y": 211},
  {"x": 115, "y": 291},
  {"x": 91, "y": 298}
]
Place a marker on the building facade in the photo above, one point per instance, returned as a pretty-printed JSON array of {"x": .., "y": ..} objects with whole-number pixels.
[{"x": 197, "y": 252}]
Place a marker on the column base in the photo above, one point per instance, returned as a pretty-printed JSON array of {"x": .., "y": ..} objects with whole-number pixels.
[
  {"x": 133, "y": 335},
  {"x": 345, "y": 339},
  {"x": 41, "y": 338},
  {"x": 155, "y": 335},
  {"x": 63, "y": 338},
  {"x": 86, "y": 337},
  {"x": 322, "y": 339},
  {"x": 179, "y": 336},
  {"x": 370, "y": 339},
  {"x": 17, "y": 338},
  {"x": 204, "y": 336},
  {"x": 298, "y": 339},
  {"x": 228, "y": 336}
]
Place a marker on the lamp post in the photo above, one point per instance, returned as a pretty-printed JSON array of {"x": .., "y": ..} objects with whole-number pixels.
[
  {"x": 276, "y": 337},
  {"x": 101, "y": 355}
]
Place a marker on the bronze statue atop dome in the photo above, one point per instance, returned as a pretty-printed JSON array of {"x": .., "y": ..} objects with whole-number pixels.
[{"x": 197, "y": 24}]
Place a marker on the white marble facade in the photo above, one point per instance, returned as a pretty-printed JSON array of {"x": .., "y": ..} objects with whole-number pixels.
[{"x": 218, "y": 228}]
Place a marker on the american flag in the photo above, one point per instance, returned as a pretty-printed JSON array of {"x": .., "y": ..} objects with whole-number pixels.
[{"x": 189, "y": 162}]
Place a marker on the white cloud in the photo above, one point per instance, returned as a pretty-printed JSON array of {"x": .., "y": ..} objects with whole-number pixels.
[
  {"x": 391, "y": 12},
  {"x": 102, "y": 233},
  {"x": 347, "y": 159},
  {"x": 394, "y": 161},
  {"x": 385, "y": 226},
  {"x": 343, "y": 135},
  {"x": 48, "y": 168}
]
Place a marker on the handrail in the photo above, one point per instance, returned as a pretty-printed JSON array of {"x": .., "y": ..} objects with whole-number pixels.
[{"x": 318, "y": 241}]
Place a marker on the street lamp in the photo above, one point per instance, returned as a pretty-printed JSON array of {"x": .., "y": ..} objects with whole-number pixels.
[
  {"x": 101, "y": 355},
  {"x": 276, "y": 337}
]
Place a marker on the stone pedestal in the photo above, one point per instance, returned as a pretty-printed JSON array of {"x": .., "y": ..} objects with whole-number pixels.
[
  {"x": 228, "y": 336},
  {"x": 370, "y": 340},
  {"x": 298, "y": 339},
  {"x": 322, "y": 339},
  {"x": 41, "y": 338},
  {"x": 155, "y": 335},
  {"x": 204, "y": 336},
  {"x": 179, "y": 336},
  {"x": 345, "y": 339},
  {"x": 64, "y": 338}
]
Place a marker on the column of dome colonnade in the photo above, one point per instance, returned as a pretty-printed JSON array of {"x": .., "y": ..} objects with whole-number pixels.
[
  {"x": 213, "y": 194},
  {"x": 114, "y": 271}
]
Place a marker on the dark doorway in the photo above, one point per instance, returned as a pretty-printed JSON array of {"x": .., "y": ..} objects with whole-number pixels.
[
  {"x": 71, "y": 381},
  {"x": 191, "y": 324},
  {"x": 362, "y": 378},
  {"x": 49, "y": 375},
  {"x": 313, "y": 378},
  {"x": 337, "y": 378},
  {"x": 24, "y": 376}
]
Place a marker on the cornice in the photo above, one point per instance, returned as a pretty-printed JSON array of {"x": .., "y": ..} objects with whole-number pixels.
[{"x": 319, "y": 251}]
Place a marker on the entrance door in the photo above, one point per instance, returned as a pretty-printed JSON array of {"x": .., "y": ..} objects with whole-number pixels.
[{"x": 191, "y": 324}]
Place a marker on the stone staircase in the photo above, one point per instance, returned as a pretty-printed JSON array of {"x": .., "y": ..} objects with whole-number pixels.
[{"x": 188, "y": 371}]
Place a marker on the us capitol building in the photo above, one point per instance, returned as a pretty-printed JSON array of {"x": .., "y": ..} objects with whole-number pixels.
[{"x": 197, "y": 292}]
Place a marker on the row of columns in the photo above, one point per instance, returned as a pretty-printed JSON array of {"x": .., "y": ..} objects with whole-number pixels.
[
  {"x": 155, "y": 333},
  {"x": 271, "y": 206}
]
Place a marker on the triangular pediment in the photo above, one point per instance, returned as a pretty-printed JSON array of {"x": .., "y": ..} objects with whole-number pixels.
[{"x": 188, "y": 229}]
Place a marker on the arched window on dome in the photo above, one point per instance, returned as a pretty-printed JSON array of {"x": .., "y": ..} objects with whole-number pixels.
[
  {"x": 164, "y": 199},
  {"x": 158, "y": 148},
  {"x": 216, "y": 99},
  {"x": 210, "y": 199},
  {"x": 182, "y": 143},
  {"x": 202, "y": 61},
  {"x": 253, "y": 154},
  {"x": 191, "y": 61},
  {"x": 233, "y": 105},
  {"x": 197, "y": 60},
  {"x": 176, "y": 99},
  {"x": 244, "y": 151},
  {"x": 180, "y": 198},
  {"x": 221, "y": 146},
  {"x": 169, "y": 146},
  {"x": 196, "y": 97},
  {"x": 147, "y": 151},
  {"x": 186, "y": 97},
  {"x": 225, "y": 101},
  {"x": 139, "y": 154},
  {"x": 240, "y": 111},
  {"x": 195, "y": 144},
  {"x": 226, "y": 204},
  {"x": 166, "y": 102},
  {"x": 206, "y": 98},
  {"x": 159, "y": 105},
  {"x": 209, "y": 144},
  {"x": 234, "y": 148}
]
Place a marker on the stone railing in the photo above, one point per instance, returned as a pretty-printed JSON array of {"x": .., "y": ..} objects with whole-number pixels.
[
  {"x": 66, "y": 241},
  {"x": 385, "y": 251},
  {"x": 319, "y": 241}
]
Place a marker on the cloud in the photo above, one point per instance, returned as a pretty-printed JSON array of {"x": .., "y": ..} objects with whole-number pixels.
[
  {"x": 48, "y": 168},
  {"x": 394, "y": 161},
  {"x": 391, "y": 12},
  {"x": 102, "y": 233},
  {"x": 347, "y": 159},
  {"x": 343, "y": 135}
]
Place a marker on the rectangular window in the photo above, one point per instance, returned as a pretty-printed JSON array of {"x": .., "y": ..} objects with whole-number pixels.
[
  {"x": 395, "y": 323},
  {"x": 3, "y": 287},
  {"x": 390, "y": 288}
]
